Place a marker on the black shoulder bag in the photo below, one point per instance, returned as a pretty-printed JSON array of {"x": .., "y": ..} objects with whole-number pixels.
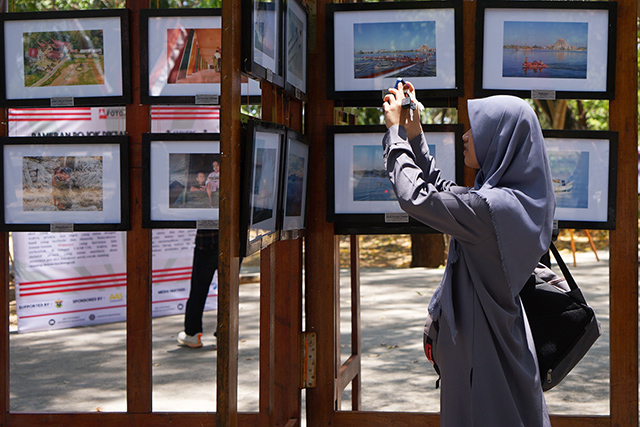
[{"x": 563, "y": 325}]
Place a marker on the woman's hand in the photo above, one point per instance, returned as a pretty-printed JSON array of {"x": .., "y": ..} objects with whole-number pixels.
[{"x": 394, "y": 114}]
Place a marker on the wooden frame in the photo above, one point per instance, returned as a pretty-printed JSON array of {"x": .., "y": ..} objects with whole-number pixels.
[
  {"x": 282, "y": 263},
  {"x": 83, "y": 189},
  {"x": 108, "y": 84},
  {"x": 171, "y": 201},
  {"x": 360, "y": 197},
  {"x": 558, "y": 68},
  {"x": 357, "y": 54}
]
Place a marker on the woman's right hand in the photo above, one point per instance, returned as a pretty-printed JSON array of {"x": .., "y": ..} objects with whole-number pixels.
[{"x": 394, "y": 114}]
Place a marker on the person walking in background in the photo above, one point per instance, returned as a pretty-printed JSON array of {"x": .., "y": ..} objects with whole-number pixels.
[
  {"x": 477, "y": 329},
  {"x": 205, "y": 263}
]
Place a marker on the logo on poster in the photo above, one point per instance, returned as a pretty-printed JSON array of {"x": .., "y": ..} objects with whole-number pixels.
[
  {"x": 58, "y": 303},
  {"x": 116, "y": 297}
]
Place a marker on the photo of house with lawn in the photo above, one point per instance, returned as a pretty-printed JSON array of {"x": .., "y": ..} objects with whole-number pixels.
[{"x": 63, "y": 58}]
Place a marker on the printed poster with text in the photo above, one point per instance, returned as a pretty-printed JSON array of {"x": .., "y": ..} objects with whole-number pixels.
[{"x": 65, "y": 280}]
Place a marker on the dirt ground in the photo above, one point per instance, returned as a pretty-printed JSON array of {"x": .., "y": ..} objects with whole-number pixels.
[{"x": 394, "y": 251}]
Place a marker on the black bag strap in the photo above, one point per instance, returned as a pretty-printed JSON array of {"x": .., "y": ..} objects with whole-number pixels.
[{"x": 565, "y": 270}]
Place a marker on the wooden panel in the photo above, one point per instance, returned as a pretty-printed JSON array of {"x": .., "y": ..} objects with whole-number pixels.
[
  {"x": 267, "y": 335},
  {"x": 4, "y": 304},
  {"x": 229, "y": 262},
  {"x": 415, "y": 419},
  {"x": 356, "y": 324},
  {"x": 288, "y": 326},
  {"x": 623, "y": 259},
  {"x": 4, "y": 325},
  {"x": 321, "y": 254},
  {"x": 139, "y": 365},
  {"x": 468, "y": 53},
  {"x": 109, "y": 419}
]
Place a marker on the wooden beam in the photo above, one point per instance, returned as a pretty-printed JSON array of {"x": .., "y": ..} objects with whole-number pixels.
[
  {"x": 623, "y": 259},
  {"x": 4, "y": 302},
  {"x": 468, "y": 58},
  {"x": 267, "y": 335},
  {"x": 356, "y": 329},
  {"x": 349, "y": 370},
  {"x": 321, "y": 252},
  {"x": 4, "y": 324},
  {"x": 417, "y": 419},
  {"x": 229, "y": 263},
  {"x": 110, "y": 419},
  {"x": 139, "y": 363}
]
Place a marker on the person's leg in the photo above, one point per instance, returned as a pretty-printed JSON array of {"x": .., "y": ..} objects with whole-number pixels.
[{"x": 205, "y": 263}]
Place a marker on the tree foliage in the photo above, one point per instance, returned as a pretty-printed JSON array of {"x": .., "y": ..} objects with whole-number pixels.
[{"x": 45, "y": 5}]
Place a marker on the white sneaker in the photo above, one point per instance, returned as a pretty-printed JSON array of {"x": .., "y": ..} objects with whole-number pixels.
[{"x": 189, "y": 340}]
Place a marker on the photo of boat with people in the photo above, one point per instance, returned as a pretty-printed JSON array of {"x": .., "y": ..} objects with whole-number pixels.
[
  {"x": 392, "y": 49},
  {"x": 545, "y": 49},
  {"x": 570, "y": 172}
]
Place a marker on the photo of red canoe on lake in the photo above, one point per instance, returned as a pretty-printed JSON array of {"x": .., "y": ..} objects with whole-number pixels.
[
  {"x": 392, "y": 49},
  {"x": 545, "y": 49}
]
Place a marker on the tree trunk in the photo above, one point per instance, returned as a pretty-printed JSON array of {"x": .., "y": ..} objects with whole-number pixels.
[{"x": 427, "y": 250}]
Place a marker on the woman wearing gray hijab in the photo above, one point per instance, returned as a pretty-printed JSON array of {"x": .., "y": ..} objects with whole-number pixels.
[{"x": 499, "y": 230}]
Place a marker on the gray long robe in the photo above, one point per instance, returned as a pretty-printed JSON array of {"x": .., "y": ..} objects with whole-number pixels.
[{"x": 484, "y": 348}]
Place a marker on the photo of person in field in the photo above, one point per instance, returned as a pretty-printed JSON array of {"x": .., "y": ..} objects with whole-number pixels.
[
  {"x": 63, "y": 58},
  {"x": 62, "y": 183}
]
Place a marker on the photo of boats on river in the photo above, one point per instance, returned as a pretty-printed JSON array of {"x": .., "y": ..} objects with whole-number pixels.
[
  {"x": 394, "y": 49},
  {"x": 545, "y": 49},
  {"x": 570, "y": 172}
]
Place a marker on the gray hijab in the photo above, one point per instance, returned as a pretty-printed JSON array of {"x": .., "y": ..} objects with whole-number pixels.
[{"x": 515, "y": 180}]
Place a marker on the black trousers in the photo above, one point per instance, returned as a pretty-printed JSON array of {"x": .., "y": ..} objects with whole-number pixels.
[{"x": 205, "y": 263}]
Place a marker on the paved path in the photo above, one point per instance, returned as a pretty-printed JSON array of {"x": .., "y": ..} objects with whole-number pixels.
[{"x": 84, "y": 369}]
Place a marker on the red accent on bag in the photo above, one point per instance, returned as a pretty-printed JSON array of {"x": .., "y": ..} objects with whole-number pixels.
[{"x": 429, "y": 353}]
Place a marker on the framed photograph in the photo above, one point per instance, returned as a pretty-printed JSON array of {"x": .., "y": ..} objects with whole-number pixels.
[
  {"x": 261, "y": 186},
  {"x": 65, "y": 59},
  {"x": 181, "y": 180},
  {"x": 546, "y": 50},
  {"x": 296, "y": 49},
  {"x": 294, "y": 185},
  {"x": 584, "y": 169},
  {"x": 181, "y": 57},
  {"x": 262, "y": 48},
  {"x": 65, "y": 183},
  {"x": 371, "y": 45},
  {"x": 360, "y": 198}
]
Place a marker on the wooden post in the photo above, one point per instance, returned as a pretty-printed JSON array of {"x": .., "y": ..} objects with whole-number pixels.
[
  {"x": 139, "y": 366},
  {"x": 623, "y": 260},
  {"x": 4, "y": 324},
  {"x": 321, "y": 252},
  {"x": 468, "y": 57},
  {"x": 4, "y": 302},
  {"x": 280, "y": 299},
  {"x": 229, "y": 265}
]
